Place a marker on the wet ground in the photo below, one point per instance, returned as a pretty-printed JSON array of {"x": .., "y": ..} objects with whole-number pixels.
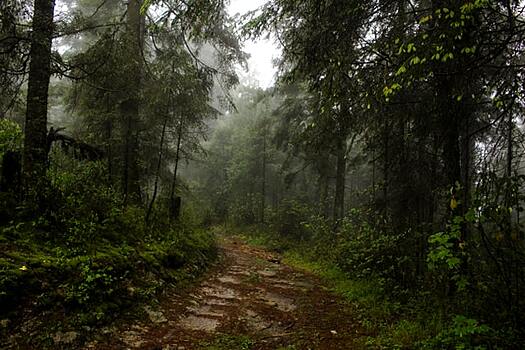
[{"x": 252, "y": 295}]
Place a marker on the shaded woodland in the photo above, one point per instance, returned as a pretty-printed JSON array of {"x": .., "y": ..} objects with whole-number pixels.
[{"x": 389, "y": 150}]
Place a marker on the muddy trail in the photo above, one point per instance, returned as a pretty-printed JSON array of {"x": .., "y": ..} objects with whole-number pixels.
[{"x": 250, "y": 300}]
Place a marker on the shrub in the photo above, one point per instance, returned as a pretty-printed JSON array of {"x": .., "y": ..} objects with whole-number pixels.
[
  {"x": 463, "y": 333},
  {"x": 11, "y": 137},
  {"x": 289, "y": 219},
  {"x": 362, "y": 252}
]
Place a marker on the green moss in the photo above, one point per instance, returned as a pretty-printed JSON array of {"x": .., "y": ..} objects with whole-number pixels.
[{"x": 95, "y": 287}]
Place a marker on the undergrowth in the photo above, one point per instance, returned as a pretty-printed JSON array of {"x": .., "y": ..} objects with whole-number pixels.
[{"x": 85, "y": 260}]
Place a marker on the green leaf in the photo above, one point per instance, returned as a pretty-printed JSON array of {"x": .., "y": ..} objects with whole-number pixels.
[
  {"x": 145, "y": 5},
  {"x": 415, "y": 60},
  {"x": 401, "y": 70}
]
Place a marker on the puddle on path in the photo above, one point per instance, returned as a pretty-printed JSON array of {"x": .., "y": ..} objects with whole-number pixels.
[
  {"x": 237, "y": 268},
  {"x": 220, "y": 292},
  {"x": 283, "y": 286},
  {"x": 198, "y": 323},
  {"x": 216, "y": 302},
  {"x": 229, "y": 279},
  {"x": 267, "y": 273},
  {"x": 282, "y": 303},
  {"x": 256, "y": 322},
  {"x": 205, "y": 311},
  {"x": 239, "y": 273},
  {"x": 298, "y": 284}
]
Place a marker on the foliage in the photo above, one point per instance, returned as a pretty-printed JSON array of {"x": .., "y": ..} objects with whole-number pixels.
[
  {"x": 10, "y": 137},
  {"x": 289, "y": 218},
  {"x": 389, "y": 153},
  {"x": 383, "y": 257},
  {"x": 463, "y": 333},
  {"x": 86, "y": 258}
]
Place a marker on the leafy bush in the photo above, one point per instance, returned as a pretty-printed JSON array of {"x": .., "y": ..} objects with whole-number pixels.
[
  {"x": 10, "y": 137},
  {"x": 463, "y": 333},
  {"x": 243, "y": 212},
  {"x": 362, "y": 251},
  {"x": 289, "y": 219},
  {"x": 88, "y": 258}
]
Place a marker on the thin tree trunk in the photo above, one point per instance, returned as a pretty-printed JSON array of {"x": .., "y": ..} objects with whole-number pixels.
[
  {"x": 340, "y": 181},
  {"x": 373, "y": 176},
  {"x": 509, "y": 145},
  {"x": 386, "y": 167},
  {"x": 324, "y": 196},
  {"x": 157, "y": 173},
  {"x": 465, "y": 168},
  {"x": 108, "y": 124},
  {"x": 174, "y": 204},
  {"x": 263, "y": 185},
  {"x": 35, "y": 141},
  {"x": 508, "y": 172}
]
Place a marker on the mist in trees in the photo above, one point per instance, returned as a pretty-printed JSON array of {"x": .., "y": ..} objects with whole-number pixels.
[{"x": 390, "y": 147}]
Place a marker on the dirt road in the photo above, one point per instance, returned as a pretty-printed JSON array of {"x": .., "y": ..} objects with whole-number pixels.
[{"x": 250, "y": 301}]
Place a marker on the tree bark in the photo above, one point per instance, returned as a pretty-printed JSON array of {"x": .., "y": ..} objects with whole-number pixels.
[
  {"x": 35, "y": 141},
  {"x": 130, "y": 107},
  {"x": 157, "y": 173}
]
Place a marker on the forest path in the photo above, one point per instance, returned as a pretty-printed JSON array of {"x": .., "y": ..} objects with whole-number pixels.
[{"x": 248, "y": 301}]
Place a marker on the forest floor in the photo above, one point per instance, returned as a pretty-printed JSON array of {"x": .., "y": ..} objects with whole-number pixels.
[{"x": 249, "y": 300}]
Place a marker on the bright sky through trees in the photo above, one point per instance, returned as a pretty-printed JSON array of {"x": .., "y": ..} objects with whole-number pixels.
[{"x": 262, "y": 52}]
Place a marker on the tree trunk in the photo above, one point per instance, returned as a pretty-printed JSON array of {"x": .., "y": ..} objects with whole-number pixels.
[
  {"x": 386, "y": 168},
  {"x": 508, "y": 174},
  {"x": 340, "y": 181},
  {"x": 175, "y": 201},
  {"x": 157, "y": 173},
  {"x": 109, "y": 135},
  {"x": 35, "y": 141},
  {"x": 263, "y": 184},
  {"x": 130, "y": 107}
]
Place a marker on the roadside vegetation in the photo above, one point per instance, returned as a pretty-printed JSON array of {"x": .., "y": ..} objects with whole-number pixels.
[
  {"x": 86, "y": 261},
  {"x": 388, "y": 158},
  {"x": 100, "y": 103}
]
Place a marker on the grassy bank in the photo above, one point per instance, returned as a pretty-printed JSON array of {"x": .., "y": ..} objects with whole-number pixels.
[
  {"x": 48, "y": 290},
  {"x": 80, "y": 259}
]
